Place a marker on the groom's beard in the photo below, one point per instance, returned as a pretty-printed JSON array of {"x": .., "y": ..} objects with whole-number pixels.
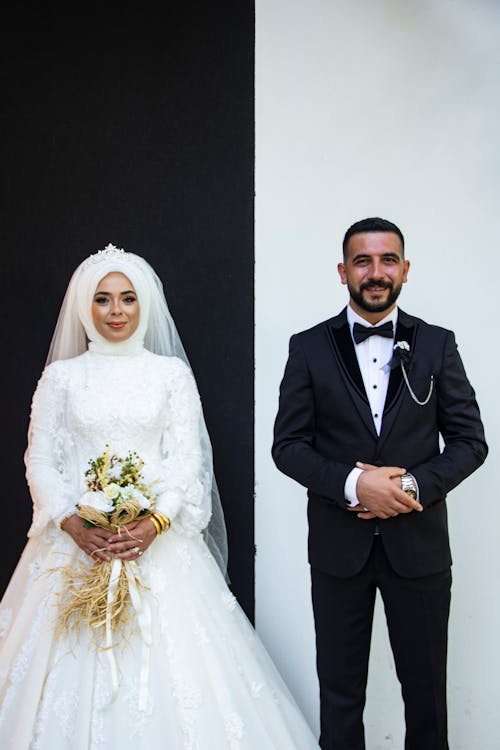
[{"x": 375, "y": 307}]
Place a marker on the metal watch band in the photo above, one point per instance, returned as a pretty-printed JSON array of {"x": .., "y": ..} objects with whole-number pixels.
[{"x": 408, "y": 485}]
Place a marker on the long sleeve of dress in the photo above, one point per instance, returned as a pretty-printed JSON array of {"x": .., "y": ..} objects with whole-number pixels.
[
  {"x": 186, "y": 468},
  {"x": 52, "y": 494}
]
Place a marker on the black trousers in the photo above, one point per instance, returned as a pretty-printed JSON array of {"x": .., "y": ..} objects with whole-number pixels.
[{"x": 417, "y": 612}]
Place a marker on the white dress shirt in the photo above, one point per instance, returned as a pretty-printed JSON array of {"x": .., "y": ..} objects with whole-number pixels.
[{"x": 374, "y": 356}]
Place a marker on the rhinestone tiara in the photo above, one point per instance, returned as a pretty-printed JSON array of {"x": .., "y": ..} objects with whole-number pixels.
[{"x": 110, "y": 252}]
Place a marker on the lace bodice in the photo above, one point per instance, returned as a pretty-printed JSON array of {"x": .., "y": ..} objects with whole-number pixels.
[{"x": 143, "y": 403}]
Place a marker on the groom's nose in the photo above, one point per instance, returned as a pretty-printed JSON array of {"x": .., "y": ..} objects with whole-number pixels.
[{"x": 377, "y": 270}]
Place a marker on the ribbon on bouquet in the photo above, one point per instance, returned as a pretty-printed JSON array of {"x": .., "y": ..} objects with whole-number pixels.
[{"x": 143, "y": 612}]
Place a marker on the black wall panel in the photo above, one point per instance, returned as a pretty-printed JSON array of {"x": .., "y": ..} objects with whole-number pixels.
[{"x": 132, "y": 125}]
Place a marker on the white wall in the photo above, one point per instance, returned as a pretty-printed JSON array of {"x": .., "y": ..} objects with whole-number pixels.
[{"x": 390, "y": 108}]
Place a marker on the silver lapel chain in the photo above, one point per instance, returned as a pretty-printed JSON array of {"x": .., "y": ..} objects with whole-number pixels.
[
  {"x": 403, "y": 346},
  {"x": 431, "y": 388}
]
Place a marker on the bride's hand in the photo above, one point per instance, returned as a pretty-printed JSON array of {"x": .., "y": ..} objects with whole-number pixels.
[
  {"x": 91, "y": 540},
  {"x": 133, "y": 540}
]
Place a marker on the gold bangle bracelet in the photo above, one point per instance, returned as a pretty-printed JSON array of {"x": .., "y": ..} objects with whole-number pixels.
[
  {"x": 164, "y": 521},
  {"x": 155, "y": 523},
  {"x": 159, "y": 520}
]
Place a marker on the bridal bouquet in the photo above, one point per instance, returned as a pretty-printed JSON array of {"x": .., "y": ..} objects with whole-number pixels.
[
  {"x": 116, "y": 492},
  {"x": 116, "y": 495}
]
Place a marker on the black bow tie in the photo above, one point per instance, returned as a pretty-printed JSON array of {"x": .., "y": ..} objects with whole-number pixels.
[{"x": 361, "y": 333}]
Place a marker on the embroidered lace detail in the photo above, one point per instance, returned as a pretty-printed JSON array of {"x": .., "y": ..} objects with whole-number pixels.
[
  {"x": 66, "y": 709},
  {"x": 157, "y": 580},
  {"x": 138, "y": 719},
  {"x": 102, "y": 699},
  {"x": 187, "y": 695},
  {"x": 43, "y": 714},
  {"x": 234, "y": 730},
  {"x": 47, "y": 460},
  {"x": 183, "y": 557},
  {"x": 201, "y": 634},
  {"x": 256, "y": 689},
  {"x": 21, "y": 663},
  {"x": 189, "y": 700}
]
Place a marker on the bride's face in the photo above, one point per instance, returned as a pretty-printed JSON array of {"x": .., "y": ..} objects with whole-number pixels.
[{"x": 115, "y": 308}]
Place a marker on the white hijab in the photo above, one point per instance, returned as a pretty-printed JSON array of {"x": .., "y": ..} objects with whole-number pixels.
[
  {"x": 88, "y": 281},
  {"x": 75, "y": 331}
]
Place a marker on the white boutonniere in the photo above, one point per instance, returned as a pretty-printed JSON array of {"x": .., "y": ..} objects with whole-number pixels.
[{"x": 401, "y": 354}]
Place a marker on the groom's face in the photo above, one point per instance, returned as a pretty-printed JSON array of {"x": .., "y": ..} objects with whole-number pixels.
[{"x": 374, "y": 271}]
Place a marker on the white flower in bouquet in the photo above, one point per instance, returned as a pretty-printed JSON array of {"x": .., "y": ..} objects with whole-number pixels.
[
  {"x": 127, "y": 492},
  {"x": 112, "y": 490},
  {"x": 145, "y": 503},
  {"x": 98, "y": 501}
]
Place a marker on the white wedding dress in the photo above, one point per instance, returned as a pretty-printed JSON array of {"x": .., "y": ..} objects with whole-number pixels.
[{"x": 205, "y": 682}]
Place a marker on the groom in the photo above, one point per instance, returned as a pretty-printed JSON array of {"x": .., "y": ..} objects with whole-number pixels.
[{"x": 364, "y": 400}]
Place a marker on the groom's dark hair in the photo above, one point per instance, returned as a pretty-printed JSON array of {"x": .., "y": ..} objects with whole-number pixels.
[{"x": 373, "y": 224}]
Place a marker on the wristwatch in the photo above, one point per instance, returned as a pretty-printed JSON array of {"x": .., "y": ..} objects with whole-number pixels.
[{"x": 408, "y": 485}]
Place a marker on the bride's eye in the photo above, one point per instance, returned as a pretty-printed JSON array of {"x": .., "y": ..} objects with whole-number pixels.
[
  {"x": 100, "y": 300},
  {"x": 129, "y": 300}
]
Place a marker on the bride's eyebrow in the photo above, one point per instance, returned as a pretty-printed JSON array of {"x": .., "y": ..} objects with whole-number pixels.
[{"x": 129, "y": 291}]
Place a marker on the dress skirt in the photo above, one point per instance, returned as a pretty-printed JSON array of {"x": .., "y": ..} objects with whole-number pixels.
[{"x": 195, "y": 678}]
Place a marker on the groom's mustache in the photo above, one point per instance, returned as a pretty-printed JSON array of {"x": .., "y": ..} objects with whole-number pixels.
[{"x": 374, "y": 284}]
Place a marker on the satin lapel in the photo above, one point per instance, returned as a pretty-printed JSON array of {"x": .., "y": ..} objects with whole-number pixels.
[
  {"x": 343, "y": 347},
  {"x": 406, "y": 330},
  {"x": 403, "y": 333}
]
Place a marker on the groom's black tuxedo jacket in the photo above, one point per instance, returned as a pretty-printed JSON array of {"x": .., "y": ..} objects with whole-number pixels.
[{"x": 324, "y": 425}]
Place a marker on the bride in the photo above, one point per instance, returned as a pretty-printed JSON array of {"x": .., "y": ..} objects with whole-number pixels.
[{"x": 176, "y": 665}]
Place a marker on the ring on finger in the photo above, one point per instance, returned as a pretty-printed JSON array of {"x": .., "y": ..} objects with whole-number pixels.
[{"x": 136, "y": 550}]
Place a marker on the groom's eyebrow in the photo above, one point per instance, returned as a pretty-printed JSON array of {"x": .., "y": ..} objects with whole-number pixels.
[{"x": 367, "y": 256}]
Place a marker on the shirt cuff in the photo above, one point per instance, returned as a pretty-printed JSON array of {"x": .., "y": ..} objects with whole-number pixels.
[{"x": 350, "y": 495}]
